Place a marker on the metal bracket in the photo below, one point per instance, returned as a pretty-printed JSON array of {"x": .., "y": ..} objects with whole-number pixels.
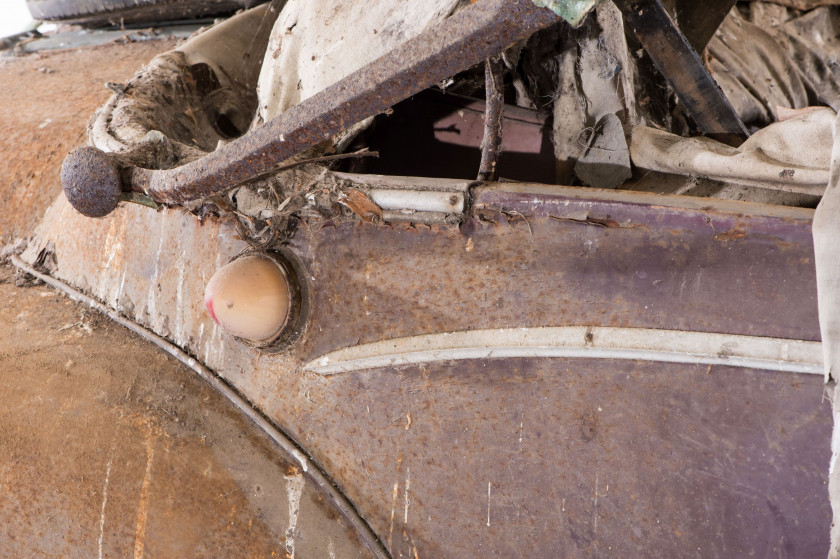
[{"x": 674, "y": 56}]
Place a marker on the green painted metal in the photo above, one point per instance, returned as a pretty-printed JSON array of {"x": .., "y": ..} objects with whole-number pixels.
[{"x": 572, "y": 11}]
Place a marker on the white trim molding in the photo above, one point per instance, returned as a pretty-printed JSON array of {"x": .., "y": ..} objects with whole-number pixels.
[{"x": 639, "y": 344}]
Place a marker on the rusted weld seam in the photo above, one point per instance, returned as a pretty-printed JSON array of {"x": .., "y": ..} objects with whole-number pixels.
[
  {"x": 286, "y": 444},
  {"x": 642, "y": 344}
]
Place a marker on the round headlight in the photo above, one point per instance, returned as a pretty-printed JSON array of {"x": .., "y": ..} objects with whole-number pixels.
[{"x": 253, "y": 298}]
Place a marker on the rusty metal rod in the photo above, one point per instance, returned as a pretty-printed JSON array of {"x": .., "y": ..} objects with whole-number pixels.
[
  {"x": 463, "y": 40},
  {"x": 491, "y": 145}
]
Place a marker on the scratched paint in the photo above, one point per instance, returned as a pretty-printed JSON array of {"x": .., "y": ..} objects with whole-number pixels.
[
  {"x": 407, "y": 488},
  {"x": 55, "y": 500},
  {"x": 105, "y": 500},
  {"x": 145, "y": 496},
  {"x": 395, "y": 493},
  {"x": 294, "y": 489}
]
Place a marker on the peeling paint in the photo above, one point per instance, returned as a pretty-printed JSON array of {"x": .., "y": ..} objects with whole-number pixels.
[{"x": 294, "y": 489}]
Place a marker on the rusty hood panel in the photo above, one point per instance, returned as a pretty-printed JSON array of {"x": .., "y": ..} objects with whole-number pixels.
[{"x": 515, "y": 456}]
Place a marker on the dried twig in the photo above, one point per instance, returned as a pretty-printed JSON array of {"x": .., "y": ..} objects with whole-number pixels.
[{"x": 364, "y": 152}]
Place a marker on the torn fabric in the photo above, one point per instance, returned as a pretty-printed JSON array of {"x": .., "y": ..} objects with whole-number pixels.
[{"x": 826, "y": 231}]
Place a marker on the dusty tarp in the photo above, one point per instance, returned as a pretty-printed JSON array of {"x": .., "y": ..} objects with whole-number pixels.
[
  {"x": 756, "y": 78},
  {"x": 777, "y": 58},
  {"x": 790, "y": 156},
  {"x": 315, "y": 43},
  {"x": 804, "y": 4},
  {"x": 813, "y": 41}
]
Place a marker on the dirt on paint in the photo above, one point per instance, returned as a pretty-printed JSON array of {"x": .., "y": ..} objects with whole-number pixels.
[
  {"x": 108, "y": 446},
  {"x": 111, "y": 448},
  {"x": 45, "y": 103}
]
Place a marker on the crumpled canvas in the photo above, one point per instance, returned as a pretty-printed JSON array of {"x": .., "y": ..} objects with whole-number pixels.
[
  {"x": 790, "y": 156},
  {"x": 754, "y": 70},
  {"x": 804, "y": 4},
  {"x": 813, "y": 41},
  {"x": 779, "y": 57}
]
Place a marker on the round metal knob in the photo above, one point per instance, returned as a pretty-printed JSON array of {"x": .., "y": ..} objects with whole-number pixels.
[{"x": 91, "y": 181}]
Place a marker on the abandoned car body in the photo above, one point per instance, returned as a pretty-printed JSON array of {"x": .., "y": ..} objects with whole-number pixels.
[{"x": 471, "y": 367}]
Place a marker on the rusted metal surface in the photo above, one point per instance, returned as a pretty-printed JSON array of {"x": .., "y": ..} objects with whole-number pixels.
[
  {"x": 487, "y": 457},
  {"x": 112, "y": 449},
  {"x": 548, "y": 256},
  {"x": 91, "y": 181},
  {"x": 284, "y": 446},
  {"x": 72, "y": 401},
  {"x": 674, "y": 56},
  {"x": 521, "y": 457},
  {"x": 699, "y": 21},
  {"x": 573, "y": 458},
  {"x": 457, "y": 43}
]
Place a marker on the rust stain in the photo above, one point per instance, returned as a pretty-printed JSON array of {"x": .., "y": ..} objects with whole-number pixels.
[
  {"x": 132, "y": 454},
  {"x": 735, "y": 234}
]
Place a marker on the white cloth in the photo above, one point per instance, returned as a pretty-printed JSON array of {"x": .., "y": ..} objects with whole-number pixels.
[
  {"x": 315, "y": 43},
  {"x": 826, "y": 230},
  {"x": 791, "y": 156}
]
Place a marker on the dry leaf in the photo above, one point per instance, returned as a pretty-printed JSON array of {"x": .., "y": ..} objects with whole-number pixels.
[{"x": 361, "y": 205}]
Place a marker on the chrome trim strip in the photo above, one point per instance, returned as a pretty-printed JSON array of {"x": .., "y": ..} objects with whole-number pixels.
[{"x": 643, "y": 344}]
